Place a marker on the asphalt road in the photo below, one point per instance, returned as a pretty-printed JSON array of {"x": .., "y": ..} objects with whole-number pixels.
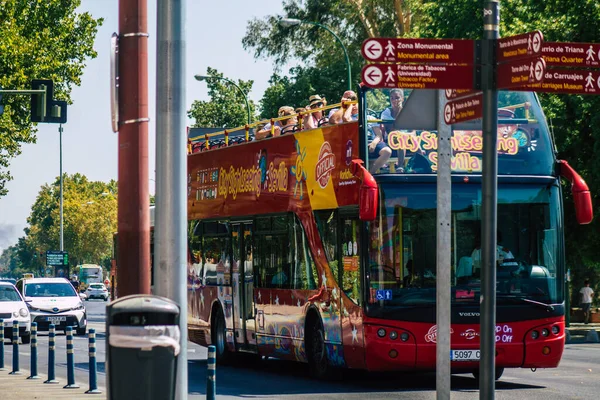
[{"x": 576, "y": 378}]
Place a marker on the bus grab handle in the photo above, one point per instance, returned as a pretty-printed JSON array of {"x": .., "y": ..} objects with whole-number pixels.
[
  {"x": 580, "y": 190},
  {"x": 368, "y": 194}
]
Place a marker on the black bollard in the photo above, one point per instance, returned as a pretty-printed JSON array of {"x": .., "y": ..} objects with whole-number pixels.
[
  {"x": 2, "y": 345},
  {"x": 70, "y": 361},
  {"x": 211, "y": 374},
  {"x": 34, "y": 374},
  {"x": 93, "y": 367},
  {"x": 51, "y": 355},
  {"x": 15, "y": 342}
]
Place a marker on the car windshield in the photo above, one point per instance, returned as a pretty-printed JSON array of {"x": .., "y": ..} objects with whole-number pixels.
[
  {"x": 96, "y": 286},
  {"x": 58, "y": 289},
  {"x": 8, "y": 293}
]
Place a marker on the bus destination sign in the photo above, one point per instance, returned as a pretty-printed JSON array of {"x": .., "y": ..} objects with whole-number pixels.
[
  {"x": 394, "y": 50},
  {"x": 418, "y": 76},
  {"x": 521, "y": 72},
  {"x": 518, "y": 47},
  {"x": 57, "y": 258},
  {"x": 572, "y": 54},
  {"x": 463, "y": 109}
]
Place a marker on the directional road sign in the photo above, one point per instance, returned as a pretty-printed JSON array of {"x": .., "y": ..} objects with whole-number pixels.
[
  {"x": 521, "y": 72},
  {"x": 418, "y": 76},
  {"x": 459, "y": 51},
  {"x": 582, "y": 81},
  {"x": 57, "y": 258},
  {"x": 452, "y": 94},
  {"x": 464, "y": 109},
  {"x": 572, "y": 54},
  {"x": 519, "y": 47}
]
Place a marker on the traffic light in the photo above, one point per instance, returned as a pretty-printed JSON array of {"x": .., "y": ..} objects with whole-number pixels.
[{"x": 43, "y": 107}]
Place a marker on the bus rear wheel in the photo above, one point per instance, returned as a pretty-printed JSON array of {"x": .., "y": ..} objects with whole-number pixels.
[{"x": 497, "y": 375}]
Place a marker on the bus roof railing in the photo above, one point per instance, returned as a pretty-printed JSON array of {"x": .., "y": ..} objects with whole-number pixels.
[{"x": 241, "y": 134}]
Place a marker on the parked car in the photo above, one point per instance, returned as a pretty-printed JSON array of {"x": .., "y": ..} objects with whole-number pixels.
[
  {"x": 10, "y": 280},
  {"x": 97, "y": 291},
  {"x": 13, "y": 308},
  {"x": 53, "y": 301}
]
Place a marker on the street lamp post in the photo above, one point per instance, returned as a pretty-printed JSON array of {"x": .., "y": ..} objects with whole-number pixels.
[
  {"x": 60, "y": 131},
  {"x": 201, "y": 78},
  {"x": 287, "y": 22}
]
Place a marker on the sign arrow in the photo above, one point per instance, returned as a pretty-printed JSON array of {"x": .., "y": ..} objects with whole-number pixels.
[
  {"x": 372, "y": 75},
  {"x": 373, "y": 49}
]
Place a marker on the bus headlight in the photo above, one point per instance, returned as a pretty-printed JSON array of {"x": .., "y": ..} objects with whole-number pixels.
[
  {"x": 555, "y": 329},
  {"x": 393, "y": 335},
  {"x": 535, "y": 334},
  {"x": 381, "y": 332},
  {"x": 545, "y": 332}
]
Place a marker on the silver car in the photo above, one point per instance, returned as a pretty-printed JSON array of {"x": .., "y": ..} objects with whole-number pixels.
[{"x": 97, "y": 291}]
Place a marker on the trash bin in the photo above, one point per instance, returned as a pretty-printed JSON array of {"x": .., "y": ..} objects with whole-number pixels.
[{"x": 142, "y": 336}]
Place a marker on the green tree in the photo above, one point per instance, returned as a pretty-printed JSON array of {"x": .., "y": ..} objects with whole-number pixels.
[
  {"x": 226, "y": 107},
  {"x": 89, "y": 220},
  {"x": 38, "y": 40}
]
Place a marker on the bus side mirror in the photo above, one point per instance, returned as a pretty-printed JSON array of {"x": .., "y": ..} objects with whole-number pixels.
[
  {"x": 581, "y": 193},
  {"x": 368, "y": 195}
]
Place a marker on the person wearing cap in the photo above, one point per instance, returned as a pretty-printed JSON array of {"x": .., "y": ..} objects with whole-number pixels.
[
  {"x": 265, "y": 131},
  {"x": 312, "y": 120},
  {"x": 348, "y": 112}
]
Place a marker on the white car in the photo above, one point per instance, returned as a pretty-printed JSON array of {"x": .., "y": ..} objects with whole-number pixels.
[
  {"x": 53, "y": 301},
  {"x": 97, "y": 291},
  {"x": 13, "y": 308}
]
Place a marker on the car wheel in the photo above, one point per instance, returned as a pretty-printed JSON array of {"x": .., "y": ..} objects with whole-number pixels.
[
  {"x": 26, "y": 338},
  {"x": 81, "y": 331},
  {"x": 106, "y": 298}
]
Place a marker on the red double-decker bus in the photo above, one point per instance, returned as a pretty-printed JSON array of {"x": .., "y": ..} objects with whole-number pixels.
[{"x": 298, "y": 252}]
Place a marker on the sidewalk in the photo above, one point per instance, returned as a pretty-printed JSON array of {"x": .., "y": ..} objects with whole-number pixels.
[
  {"x": 578, "y": 331},
  {"x": 19, "y": 387}
]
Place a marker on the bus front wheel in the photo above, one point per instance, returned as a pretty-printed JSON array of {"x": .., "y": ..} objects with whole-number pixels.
[
  {"x": 219, "y": 338},
  {"x": 497, "y": 375},
  {"x": 317, "y": 352}
]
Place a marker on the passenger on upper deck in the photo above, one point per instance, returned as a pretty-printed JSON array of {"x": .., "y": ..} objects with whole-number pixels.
[
  {"x": 348, "y": 112},
  {"x": 396, "y": 101},
  {"x": 278, "y": 126},
  {"x": 313, "y": 119}
]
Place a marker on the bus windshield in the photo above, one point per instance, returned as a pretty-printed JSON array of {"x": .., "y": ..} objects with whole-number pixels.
[
  {"x": 402, "y": 245},
  {"x": 402, "y": 135}
]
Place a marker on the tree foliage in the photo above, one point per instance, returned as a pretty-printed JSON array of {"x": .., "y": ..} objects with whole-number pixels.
[
  {"x": 574, "y": 118},
  {"x": 227, "y": 107},
  {"x": 89, "y": 221},
  {"x": 38, "y": 40}
]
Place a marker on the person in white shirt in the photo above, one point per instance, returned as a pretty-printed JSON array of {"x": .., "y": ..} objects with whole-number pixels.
[
  {"x": 586, "y": 293},
  {"x": 503, "y": 255}
]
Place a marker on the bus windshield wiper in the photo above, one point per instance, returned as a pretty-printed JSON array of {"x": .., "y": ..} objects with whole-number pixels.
[{"x": 548, "y": 307}]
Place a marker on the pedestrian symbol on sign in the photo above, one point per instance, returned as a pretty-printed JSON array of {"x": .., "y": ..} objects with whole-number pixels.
[
  {"x": 389, "y": 49},
  {"x": 390, "y": 76}
]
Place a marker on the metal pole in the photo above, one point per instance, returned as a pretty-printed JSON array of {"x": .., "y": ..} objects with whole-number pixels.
[
  {"x": 343, "y": 48},
  {"x": 2, "y": 345},
  {"x": 62, "y": 246},
  {"x": 170, "y": 249},
  {"x": 211, "y": 374},
  {"x": 33, "y": 363},
  {"x": 133, "y": 258},
  {"x": 489, "y": 188},
  {"x": 444, "y": 215}
]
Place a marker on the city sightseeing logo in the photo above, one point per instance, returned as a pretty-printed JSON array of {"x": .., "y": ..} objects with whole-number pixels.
[
  {"x": 431, "y": 335},
  {"x": 470, "y": 334},
  {"x": 325, "y": 165}
]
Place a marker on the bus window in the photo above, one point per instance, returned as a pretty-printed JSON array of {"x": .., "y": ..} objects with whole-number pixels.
[
  {"x": 304, "y": 273},
  {"x": 350, "y": 259},
  {"x": 328, "y": 227}
]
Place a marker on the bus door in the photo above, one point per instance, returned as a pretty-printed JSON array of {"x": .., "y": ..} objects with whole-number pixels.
[{"x": 243, "y": 285}]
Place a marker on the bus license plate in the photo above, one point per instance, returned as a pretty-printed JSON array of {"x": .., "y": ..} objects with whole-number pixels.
[
  {"x": 54, "y": 320},
  {"x": 464, "y": 355}
]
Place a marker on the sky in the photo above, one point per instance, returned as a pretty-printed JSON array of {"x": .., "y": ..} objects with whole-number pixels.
[{"x": 214, "y": 32}]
